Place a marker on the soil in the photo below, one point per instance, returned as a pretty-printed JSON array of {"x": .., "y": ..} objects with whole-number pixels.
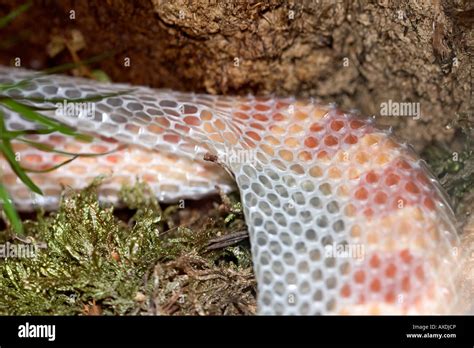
[{"x": 354, "y": 53}]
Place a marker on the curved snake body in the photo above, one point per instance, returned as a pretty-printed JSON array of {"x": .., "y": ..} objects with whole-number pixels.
[{"x": 342, "y": 218}]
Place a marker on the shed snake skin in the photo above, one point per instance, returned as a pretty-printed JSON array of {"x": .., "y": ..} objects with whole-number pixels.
[{"x": 342, "y": 218}]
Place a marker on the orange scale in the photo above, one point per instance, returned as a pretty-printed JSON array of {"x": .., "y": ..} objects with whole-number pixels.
[
  {"x": 343, "y": 191},
  {"x": 159, "y": 169},
  {"x": 316, "y": 127},
  {"x": 56, "y": 139},
  {"x": 33, "y": 159},
  {"x": 380, "y": 198},
  {"x": 346, "y": 291},
  {"x": 311, "y": 142},
  {"x": 369, "y": 213},
  {"x": 420, "y": 273},
  {"x": 153, "y": 128},
  {"x": 295, "y": 128},
  {"x": 277, "y": 130},
  {"x": 323, "y": 156},
  {"x": 192, "y": 120},
  {"x": 371, "y": 139},
  {"x": 132, "y": 128},
  {"x": 371, "y": 177},
  {"x": 406, "y": 284},
  {"x": 171, "y": 138},
  {"x": 99, "y": 148},
  {"x": 230, "y": 137},
  {"x": 241, "y": 115},
  {"x": 253, "y": 135},
  {"x": 391, "y": 270},
  {"x": 52, "y": 191},
  {"x": 375, "y": 285},
  {"x": 209, "y": 128},
  {"x": 361, "y": 157},
  {"x": 257, "y": 126},
  {"x": 382, "y": 159},
  {"x": 182, "y": 128},
  {"x": 353, "y": 173},
  {"x": 316, "y": 172},
  {"x": 60, "y": 158},
  {"x": 205, "y": 115},
  {"x": 216, "y": 137},
  {"x": 9, "y": 179},
  {"x": 286, "y": 155},
  {"x": 337, "y": 125},
  {"x": 305, "y": 156},
  {"x": 260, "y": 117},
  {"x": 330, "y": 140},
  {"x": 292, "y": 142},
  {"x": 249, "y": 142},
  {"x": 149, "y": 178},
  {"x": 356, "y": 124},
  {"x": 390, "y": 297},
  {"x": 300, "y": 115},
  {"x": 262, "y": 107},
  {"x": 77, "y": 169},
  {"x": 281, "y": 105},
  {"x": 361, "y": 194},
  {"x": 412, "y": 188},
  {"x": 392, "y": 179},
  {"x": 334, "y": 173},
  {"x": 107, "y": 170},
  {"x": 402, "y": 164},
  {"x": 64, "y": 181},
  {"x": 162, "y": 121},
  {"x": 429, "y": 203},
  {"x": 72, "y": 148},
  {"x": 319, "y": 112},
  {"x": 113, "y": 159},
  {"x": 278, "y": 117},
  {"x": 17, "y": 147},
  {"x": 218, "y": 124},
  {"x": 406, "y": 256},
  {"x": 351, "y": 139},
  {"x": 89, "y": 160},
  {"x": 359, "y": 276}
]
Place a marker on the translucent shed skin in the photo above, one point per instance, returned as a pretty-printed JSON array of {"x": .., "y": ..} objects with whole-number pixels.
[{"x": 342, "y": 218}]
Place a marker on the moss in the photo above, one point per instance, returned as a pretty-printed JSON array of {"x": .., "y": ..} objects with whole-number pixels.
[
  {"x": 453, "y": 163},
  {"x": 95, "y": 263}
]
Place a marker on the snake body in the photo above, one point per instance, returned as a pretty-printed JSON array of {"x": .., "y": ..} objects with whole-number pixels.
[{"x": 342, "y": 218}]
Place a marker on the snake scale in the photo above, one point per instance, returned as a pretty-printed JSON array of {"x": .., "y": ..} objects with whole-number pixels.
[{"x": 343, "y": 219}]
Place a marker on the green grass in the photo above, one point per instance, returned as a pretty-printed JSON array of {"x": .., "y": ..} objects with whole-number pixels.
[{"x": 34, "y": 114}]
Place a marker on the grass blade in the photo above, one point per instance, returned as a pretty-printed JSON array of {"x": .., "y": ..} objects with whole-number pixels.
[
  {"x": 7, "y": 150},
  {"x": 32, "y": 115},
  {"x": 13, "y": 14},
  {"x": 9, "y": 209}
]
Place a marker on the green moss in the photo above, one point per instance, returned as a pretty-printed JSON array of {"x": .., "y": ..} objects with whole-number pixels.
[
  {"x": 453, "y": 163},
  {"x": 97, "y": 263}
]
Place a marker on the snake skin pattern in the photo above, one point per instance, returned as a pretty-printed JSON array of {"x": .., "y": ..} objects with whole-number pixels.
[{"x": 342, "y": 218}]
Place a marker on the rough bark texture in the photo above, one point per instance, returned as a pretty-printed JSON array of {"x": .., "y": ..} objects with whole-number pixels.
[
  {"x": 355, "y": 53},
  {"x": 358, "y": 54}
]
